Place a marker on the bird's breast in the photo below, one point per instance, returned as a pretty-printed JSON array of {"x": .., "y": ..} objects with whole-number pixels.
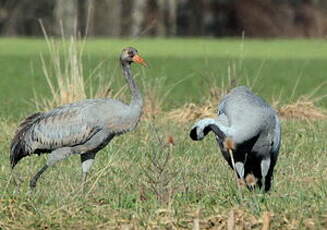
[{"x": 123, "y": 123}]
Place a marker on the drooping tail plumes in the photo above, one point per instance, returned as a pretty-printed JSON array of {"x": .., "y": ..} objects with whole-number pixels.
[{"x": 18, "y": 148}]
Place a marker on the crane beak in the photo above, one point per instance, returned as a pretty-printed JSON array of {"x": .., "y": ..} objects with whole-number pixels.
[{"x": 138, "y": 59}]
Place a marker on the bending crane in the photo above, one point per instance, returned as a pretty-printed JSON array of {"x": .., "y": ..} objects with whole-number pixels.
[{"x": 248, "y": 133}]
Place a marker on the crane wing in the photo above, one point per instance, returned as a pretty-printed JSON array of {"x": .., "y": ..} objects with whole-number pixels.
[{"x": 64, "y": 126}]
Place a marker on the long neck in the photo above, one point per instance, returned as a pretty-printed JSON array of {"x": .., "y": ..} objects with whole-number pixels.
[{"x": 137, "y": 99}]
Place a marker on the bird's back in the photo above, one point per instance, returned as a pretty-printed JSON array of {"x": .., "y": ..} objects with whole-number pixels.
[
  {"x": 247, "y": 113},
  {"x": 73, "y": 124},
  {"x": 67, "y": 125}
]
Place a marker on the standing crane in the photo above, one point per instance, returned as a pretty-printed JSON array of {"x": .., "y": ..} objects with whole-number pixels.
[
  {"x": 248, "y": 133},
  {"x": 82, "y": 128}
]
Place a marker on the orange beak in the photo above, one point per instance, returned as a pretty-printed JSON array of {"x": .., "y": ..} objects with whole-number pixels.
[{"x": 138, "y": 59}]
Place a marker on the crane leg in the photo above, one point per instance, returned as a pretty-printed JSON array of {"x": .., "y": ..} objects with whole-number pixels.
[
  {"x": 234, "y": 167},
  {"x": 54, "y": 157},
  {"x": 87, "y": 160},
  {"x": 88, "y": 151},
  {"x": 265, "y": 165}
]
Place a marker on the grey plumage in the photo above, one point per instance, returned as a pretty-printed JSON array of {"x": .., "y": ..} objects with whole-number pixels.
[
  {"x": 254, "y": 128},
  {"x": 81, "y": 128},
  {"x": 19, "y": 148}
]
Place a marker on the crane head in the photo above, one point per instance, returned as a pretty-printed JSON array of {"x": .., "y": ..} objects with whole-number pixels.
[{"x": 130, "y": 55}]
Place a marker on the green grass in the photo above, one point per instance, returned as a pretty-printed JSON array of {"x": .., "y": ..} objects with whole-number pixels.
[
  {"x": 197, "y": 177},
  {"x": 125, "y": 188},
  {"x": 272, "y": 66}
]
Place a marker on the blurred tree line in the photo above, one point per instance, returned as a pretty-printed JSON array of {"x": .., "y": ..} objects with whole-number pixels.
[{"x": 165, "y": 18}]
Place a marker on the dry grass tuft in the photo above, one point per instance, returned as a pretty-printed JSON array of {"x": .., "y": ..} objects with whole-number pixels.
[
  {"x": 156, "y": 94},
  {"x": 266, "y": 219},
  {"x": 152, "y": 104},
  {"x": 302, "y": 109},
  {"x": 235, "y": 219},
  {"x": 192, "y": 112},
  {"x": 65, "y": 76}
]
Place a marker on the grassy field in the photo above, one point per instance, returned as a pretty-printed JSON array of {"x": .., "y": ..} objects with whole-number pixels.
[
  {"x": 131, "y": 186},
  {"x": 272, "y": 67}
]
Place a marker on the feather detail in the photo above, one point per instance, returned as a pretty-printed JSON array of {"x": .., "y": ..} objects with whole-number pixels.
[
  {"x": 19, "y": 148},
  {"x": 62, "y": 127}
]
